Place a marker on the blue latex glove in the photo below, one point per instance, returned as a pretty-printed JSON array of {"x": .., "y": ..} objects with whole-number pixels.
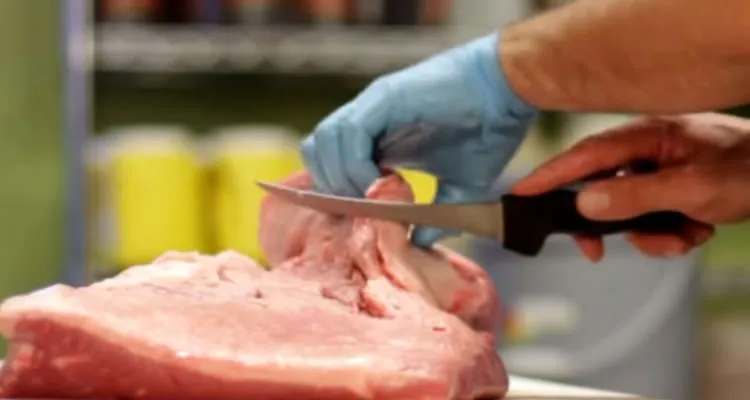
[{"x": 452, "y": 115}]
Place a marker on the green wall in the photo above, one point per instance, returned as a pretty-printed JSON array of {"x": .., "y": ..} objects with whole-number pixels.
[{"x": 31, "y": 173}]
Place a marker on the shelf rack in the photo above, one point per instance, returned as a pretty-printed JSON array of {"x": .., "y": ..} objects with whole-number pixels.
[
  {"x": 76, "y": 110},
  {"x": 274, "y": 49}
]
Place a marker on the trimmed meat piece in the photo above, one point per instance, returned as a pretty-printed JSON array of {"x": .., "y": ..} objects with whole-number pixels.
[{"x": 342, "y": 254}]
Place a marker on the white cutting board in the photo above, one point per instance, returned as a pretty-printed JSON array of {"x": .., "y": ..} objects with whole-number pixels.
[{"x": 532, "y": 389}]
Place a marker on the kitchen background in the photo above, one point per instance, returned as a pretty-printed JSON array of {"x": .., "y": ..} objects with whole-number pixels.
[{"x": 134, "y": 126}]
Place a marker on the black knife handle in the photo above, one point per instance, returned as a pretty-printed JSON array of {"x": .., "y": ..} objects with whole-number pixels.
[{"x": 530, "y": 219}]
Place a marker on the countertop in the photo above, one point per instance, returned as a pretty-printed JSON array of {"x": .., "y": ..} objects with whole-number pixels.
[{"x": 532, "y": 389}]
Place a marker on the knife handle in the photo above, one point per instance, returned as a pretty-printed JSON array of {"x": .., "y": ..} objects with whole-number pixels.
[{"x": 529, "y": 220}]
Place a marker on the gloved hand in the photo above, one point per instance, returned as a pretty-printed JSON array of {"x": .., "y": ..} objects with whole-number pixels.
[{"x": 452, "y": 115}]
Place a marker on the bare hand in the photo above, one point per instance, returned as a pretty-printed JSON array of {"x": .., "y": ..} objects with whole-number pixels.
[{"x": 704, "y": 172}]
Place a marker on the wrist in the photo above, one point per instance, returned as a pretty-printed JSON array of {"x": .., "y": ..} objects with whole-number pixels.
[
  {"x": 513, "y": 54},
  {"x": 486, "y": 51}
]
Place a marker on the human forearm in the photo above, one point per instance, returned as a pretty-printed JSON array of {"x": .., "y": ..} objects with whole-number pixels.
[{"x": 658, "y": 56}]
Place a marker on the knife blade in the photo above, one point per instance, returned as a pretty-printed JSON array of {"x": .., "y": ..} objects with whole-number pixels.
[
  {"x": 521, "y": 223},
  {"x": 484, "y": 219}
]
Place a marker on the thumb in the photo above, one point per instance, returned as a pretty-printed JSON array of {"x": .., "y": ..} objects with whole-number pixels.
[
  {"x": 426, "y": 236},
  {"x": 671, "y": 189}
]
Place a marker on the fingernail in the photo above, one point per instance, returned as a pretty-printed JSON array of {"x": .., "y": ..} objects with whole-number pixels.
[
  {"x": 593, "y": 202},
  {"x": 675, "y": 251}
]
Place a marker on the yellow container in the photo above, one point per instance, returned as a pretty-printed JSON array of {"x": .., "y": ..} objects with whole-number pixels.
[
  {"x": 240, "y": 156},
  {"x": 422, "y": 184},
  {"x": 157, "y": 194}
]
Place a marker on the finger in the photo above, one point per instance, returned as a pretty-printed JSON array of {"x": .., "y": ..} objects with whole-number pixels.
[
  {"x": 357, "y": 152},
  {"x": 698, "y": 233},
  {"x": 325, "y": 154},
  {"x": 329, "y": 143},
  {"x": 592, "y": 247},
  {"x": 310, "y": 148},
  {"x": 365, "y": 122},
  {"x": 660, "y": 244},
  {"x": 687, "y": 190},
  {"x": 372, "y": 109},
  {"x": 425, "y": 236},
  {"x": 645, "y": 140},
  {"x": 678, "y": 243},
  {"x": 310, "y": 158}
]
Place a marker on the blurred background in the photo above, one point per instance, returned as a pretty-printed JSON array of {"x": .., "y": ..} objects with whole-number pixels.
[{"x": 130, "y": 127}]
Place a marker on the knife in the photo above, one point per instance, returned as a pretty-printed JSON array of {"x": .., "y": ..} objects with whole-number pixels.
[{"x": 521, "y": 223}]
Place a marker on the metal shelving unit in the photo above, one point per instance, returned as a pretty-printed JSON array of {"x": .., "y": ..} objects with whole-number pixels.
[
  {"x": 272, "y": 49},
  {"x": 76, "y": 105},
  {"x": 291, "y": 49}
]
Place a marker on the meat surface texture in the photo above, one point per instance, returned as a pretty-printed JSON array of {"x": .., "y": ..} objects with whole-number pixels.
[{"x": 349, "y": 310}]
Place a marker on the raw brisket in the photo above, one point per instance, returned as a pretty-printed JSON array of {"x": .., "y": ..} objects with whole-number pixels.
[{"x": 350, "y": 310}]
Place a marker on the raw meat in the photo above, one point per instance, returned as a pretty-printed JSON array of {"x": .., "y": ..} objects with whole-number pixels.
[
  {"x": 342, "y": 254},
  {"x": 350, "y": 311}
]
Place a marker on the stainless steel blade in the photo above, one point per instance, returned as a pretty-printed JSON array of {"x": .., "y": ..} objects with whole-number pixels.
[{"x": 485, "y": 219}]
